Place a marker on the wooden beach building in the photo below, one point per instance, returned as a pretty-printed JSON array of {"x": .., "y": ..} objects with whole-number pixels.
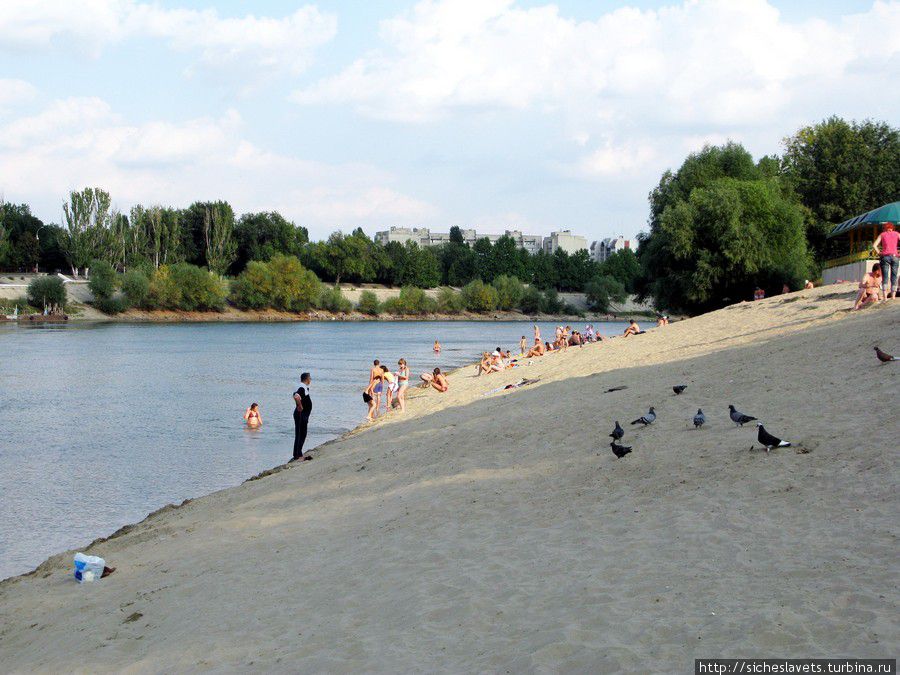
[{"x": 853, "y": 238}]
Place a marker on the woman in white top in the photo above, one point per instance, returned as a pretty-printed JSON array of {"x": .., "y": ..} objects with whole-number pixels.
[{"x": 402, "y": 383}]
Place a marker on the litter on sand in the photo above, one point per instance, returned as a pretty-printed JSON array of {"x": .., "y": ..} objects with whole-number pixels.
[{"x": 520, "y": 383}]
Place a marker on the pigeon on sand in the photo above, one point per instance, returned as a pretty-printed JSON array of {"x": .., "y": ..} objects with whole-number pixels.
[
  {"x": 769, "y": 440},
  {"x": 617, "y": 433},
  {"x": 699, "y": 419},
  {"x": 646, "y": 419},
  {"x": 619, "y": 450},
  {"x": 739, "y": 418},
  {"x": 884, "y": 357}
]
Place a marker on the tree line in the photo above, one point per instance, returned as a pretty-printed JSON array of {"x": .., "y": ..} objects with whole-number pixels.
[
  {"x": 207, "y": 234},
  {"x": 724, "y": 223}
]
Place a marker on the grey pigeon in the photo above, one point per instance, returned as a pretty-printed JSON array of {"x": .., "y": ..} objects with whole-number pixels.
[
  {"x": 884, "y": 357},
  {"x": 619, "y": 450},
  {"x": 699, "y": 419},
  {"x": 678, "y": 388},
  {"x": 618, "y": 432},
  {"x": 769, "y": 440},
  {"x": 646, "y": 419},
  {"x": 739, "y": 418}
]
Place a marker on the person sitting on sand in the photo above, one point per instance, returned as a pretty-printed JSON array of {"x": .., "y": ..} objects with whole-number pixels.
[
  {"x": 550, "y": 348},
  {"x": 436, "y": 379},
  {"x": 496, "y": 363},
  {"x": 484, "y": 365},
  {"x": 808, "y": 285},
  {"x": 632, "y": 329},
  {"x": 537, "y": 350},
  {"x": 869, "y": 288},
  {"x": 252, "y": 416}
]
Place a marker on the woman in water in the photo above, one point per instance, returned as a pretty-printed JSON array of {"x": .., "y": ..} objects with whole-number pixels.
[
  {"x": 402, "y": 383},
  {"x": 252, "y": 416},
  {"x": 437, "y": 347}
]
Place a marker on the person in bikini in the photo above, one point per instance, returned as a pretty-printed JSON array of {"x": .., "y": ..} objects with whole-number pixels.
[
  {"x": 375, "y": 385},
  {"x": 437, "y": 347},
  {"x": 869, "y": 288},
  {"x": 402, "y": 383},
  {"x": 252, "y": 416},
  {"x": 439, "y": 381},
  {"x": 632, "y": 329},
  {"x": 537, "y": 350}
]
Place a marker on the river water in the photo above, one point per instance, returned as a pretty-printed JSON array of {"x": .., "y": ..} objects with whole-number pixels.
[{"x": 103, "y": 423}]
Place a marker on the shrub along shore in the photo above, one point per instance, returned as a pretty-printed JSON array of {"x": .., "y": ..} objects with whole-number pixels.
[{"x": 281, "y": 288}]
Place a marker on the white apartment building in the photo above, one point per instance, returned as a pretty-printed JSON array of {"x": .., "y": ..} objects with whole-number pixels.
[
  {"x": 565, "y": 240},
  {"x": 601, "y": 250},
  {"x": 425, "y": 237}
]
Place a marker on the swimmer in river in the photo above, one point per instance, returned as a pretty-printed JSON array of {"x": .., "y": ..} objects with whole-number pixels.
[
  {"x": 437, "y": 347},
  {"x": 252, "y": 416}
]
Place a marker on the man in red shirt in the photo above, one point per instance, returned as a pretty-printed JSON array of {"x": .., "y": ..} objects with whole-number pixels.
[{"x": 885, "y": 246}]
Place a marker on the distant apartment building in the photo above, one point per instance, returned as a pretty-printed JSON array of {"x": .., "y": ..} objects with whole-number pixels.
[
  {"x": 601, "y": 250},
  {"x": 564, "y": 240},
  {"x": 425, "y": 237}
]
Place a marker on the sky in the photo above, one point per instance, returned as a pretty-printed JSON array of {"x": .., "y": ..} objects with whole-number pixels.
[{"x": 491, "y": 114}]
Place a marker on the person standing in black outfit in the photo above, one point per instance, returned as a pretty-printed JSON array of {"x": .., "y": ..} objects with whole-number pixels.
[{"x": 302, "y": 409}]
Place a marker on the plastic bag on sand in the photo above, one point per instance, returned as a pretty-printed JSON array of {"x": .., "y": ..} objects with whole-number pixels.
[{"x": 88, "y": 567}]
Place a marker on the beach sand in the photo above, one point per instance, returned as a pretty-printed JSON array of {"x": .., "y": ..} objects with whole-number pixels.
[{"x": 499, "y": 533}]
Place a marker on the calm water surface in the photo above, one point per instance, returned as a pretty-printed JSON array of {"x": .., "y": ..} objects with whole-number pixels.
[{"x": 102, "y": 424}]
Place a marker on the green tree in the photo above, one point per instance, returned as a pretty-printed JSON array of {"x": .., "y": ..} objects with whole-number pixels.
[
  {"x": 87, "y": 235},
  {"x": 712, "y": 244},
  {"x": 531, "y": 300},
  {"x": 505, "y": 258},
  {"x": 259, "y": 236},
  {"x": 102, "y": 283},
  {"x": 218, "y": 230},
  {"x": 623, "y": 266},
  {"x": 509, "y": 291},
  {"x": 543, "y": 271},
  {"x": 47, "y": 292},
  {"x": 484, "y": 259},
  {"x": 449, "y": 301},
  {"x": 280, "y": 283},
  {"x": 458, "y": 266},
  {"x": 135, "y": 287},
  {"x": 602, "y": 290},
  {"x": 368, "y": 303},
  {"x": 422, "y": 267},
  {"x": 841, "y": 169},
  {"x": 479, "y": 296}
]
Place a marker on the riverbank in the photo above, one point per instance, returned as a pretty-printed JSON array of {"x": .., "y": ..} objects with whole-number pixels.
[{"x": 495, "y": 531}]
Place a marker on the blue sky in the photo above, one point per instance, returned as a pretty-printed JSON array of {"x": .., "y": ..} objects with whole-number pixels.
[{"x": 494, "y": 114}]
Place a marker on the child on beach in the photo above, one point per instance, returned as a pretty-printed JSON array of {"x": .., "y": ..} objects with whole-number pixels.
[
  {"x": 388, "y": 377},
  {"x": 252, "y": 416},
  {"x": 523, "y": 345}
]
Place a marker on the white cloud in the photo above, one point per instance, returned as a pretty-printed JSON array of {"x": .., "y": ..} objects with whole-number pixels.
[
  {"x": 14, "y": 92},
  {"x": 81, "y": 141},
  {"x": 88, "y": 26},
  {"x": 629, "y": 86}
]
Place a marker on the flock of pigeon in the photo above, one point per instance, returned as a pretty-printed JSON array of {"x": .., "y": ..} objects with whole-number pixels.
[{"x": 740, "y": 419}]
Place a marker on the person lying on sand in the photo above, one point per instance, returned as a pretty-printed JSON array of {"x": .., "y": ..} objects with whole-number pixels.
[
  {"x": 537, "y": 350},
  {"x": 869, "y": 288},
  {"x": 632, "y": 329},
  {"x": 252, "y": 416},
  {"x": 436, "y": 380}
]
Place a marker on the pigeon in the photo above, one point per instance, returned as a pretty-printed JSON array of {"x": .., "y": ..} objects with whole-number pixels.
[
  {"x": 619, "y": 450},
  {"x": 699, "y": 419},
  {"x": 739, "y": 418},
  {"x": 646, "y": 419},
  {"x": 885, "y": 357},
  {"x": 769, "y": 440},
  {"x": 678, "y": 388},
  {"x": 617, "y": 433}
]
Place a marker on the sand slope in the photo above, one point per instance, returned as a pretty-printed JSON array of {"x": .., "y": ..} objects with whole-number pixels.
[{"x": 486, "y": 534}]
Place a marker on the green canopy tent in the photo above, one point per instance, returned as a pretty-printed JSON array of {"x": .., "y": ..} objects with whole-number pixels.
[
  {"x": 889, "y": 213},
  {"x": 854, "y": 239}
]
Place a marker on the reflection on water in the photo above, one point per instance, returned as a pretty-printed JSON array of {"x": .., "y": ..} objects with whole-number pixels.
[{"x": 103, "y": 423}]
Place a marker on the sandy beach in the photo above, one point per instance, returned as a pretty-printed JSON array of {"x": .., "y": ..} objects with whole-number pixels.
[{"x": 498, "y": 533}]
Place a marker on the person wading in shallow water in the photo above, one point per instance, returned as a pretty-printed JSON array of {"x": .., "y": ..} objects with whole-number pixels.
[{"x": 302, "y": 409}]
